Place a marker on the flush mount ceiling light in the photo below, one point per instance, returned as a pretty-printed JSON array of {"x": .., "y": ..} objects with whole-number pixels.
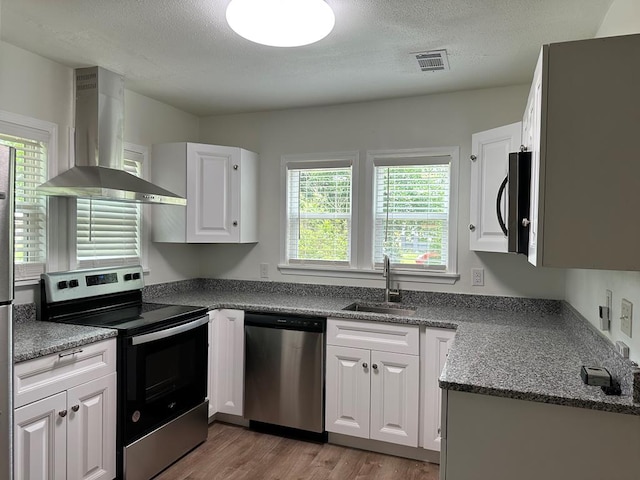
[{"x": 281, "y": 23}]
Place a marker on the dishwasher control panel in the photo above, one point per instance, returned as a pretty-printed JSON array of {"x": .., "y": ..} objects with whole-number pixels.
[{"x": 288, "y": 322}]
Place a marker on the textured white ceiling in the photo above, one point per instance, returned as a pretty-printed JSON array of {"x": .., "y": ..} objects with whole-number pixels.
[{"x": 183, "y": 53}]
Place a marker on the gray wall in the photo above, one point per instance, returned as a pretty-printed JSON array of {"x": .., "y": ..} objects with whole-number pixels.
[{"x": 427, "y": 121}]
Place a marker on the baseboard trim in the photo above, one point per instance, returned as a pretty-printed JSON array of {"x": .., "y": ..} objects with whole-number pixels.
[
  {"x": 227, "y": 418},
  {"x": 414, "y": 453}
]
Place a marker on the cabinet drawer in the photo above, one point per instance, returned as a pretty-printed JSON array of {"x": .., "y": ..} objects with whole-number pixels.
[
  {"x": 44, "y": 376},
  {"x": 384, "y": 337}
]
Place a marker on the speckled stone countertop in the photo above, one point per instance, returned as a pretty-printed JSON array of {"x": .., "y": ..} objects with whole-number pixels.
[
  {"x": 533, "y": 353},
  {"x": 34, "y": 339},
  {"x": 518, "y": 348}
]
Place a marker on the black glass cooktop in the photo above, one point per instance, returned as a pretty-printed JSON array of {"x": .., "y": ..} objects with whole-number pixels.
[{"x": 143, "y": 318}]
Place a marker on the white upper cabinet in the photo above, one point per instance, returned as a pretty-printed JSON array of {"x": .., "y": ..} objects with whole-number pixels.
[
  {"x": 581, "y": 124},
  {"x": 489, "y": 167},
  {"x": 221, "y": 187}
]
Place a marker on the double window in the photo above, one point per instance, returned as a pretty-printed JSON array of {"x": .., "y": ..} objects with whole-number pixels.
[
  {"x": 407, "y": 211},
  {"x": 107, "y": 233}
]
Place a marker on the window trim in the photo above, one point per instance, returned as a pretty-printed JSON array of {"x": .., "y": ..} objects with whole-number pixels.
[
  {"x": 143, "y": 152},
  {"x": 24, "y": 126},
  {"x": 413, "y": 156},
  {"x": 309, "y": 161}
]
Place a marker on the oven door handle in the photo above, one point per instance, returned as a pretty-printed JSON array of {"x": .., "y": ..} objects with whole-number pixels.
[{"x": 169, "y": 332}]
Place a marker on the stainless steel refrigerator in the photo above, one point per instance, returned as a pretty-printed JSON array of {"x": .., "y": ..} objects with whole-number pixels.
[{"x": 7, "y": 165}]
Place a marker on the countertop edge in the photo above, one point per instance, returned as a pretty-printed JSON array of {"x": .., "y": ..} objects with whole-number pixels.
[{"x": 541, "y": 398}]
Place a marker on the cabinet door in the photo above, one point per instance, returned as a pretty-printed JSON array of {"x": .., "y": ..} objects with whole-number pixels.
[
  {"x": 533, "y": 117},
  {"x": 40, "y": 439},
  {"x": 229, "y": 360},
  {"x": 212, "y": 187},
  {"x": 489, "y": 167},
  {"x": 91, "y": 443},
  {"x": 394, "y": 398},
  {"x": 348, "y": 391},
  {"x": 211, "y": 362},
  {"x": 436, "y": 347}
]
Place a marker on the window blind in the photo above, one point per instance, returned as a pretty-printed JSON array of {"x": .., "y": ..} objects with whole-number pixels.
[
  {"x": 109, "y": 232},
  {"x": 412, "y": 214},
  {"x": 319, "y": 215},
  {"x": 30, "y": 216}
]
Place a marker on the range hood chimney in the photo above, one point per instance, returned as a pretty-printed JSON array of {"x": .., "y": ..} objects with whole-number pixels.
[{"x": 99, "y": 156}]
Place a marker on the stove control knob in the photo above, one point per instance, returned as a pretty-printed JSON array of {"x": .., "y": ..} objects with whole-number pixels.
[
  {"x": 62, "y": 284},
  {"x": 127, "y": 277},
  {"x": 73, "y": 283},
  {"x": 136, "y": 276}
]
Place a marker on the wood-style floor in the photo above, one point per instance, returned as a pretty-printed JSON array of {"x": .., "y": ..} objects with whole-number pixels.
[{"x": 234, "y": 453}]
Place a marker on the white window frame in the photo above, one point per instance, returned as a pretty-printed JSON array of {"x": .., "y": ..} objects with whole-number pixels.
[
  {"x": 143, "y": 152},
  {"x": 25, "y": 127},
  {"x": 310, "y": 161},
  {"x": 415, "y": 156},
  {"x": 363, "y": 216}
]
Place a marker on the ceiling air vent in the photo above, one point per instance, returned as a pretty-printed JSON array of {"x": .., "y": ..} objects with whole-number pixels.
[{"x": 432, "y": 61}]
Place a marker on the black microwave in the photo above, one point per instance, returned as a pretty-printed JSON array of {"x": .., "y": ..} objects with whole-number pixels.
[{"x": 517, "y": 184}]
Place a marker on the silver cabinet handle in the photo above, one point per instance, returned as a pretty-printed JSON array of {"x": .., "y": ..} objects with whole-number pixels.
[
  {"x": 364, "y": 365},
  {"x": 374, "y": 366},
  {"x": 62, "y": 413},
  {"x": 525, "y": 222},
  {"x": 473, "y": 158},
  {"x": 472, "y": 227},
  {"x": 235, "y": 167},
  {"x": 75, "y": 408},
  {"x": 62, "y": 355},
  {"x": 235, "y": 224}
]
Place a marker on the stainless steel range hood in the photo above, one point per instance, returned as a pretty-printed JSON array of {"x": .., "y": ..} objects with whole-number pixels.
[{"x": 99, "y": 163}]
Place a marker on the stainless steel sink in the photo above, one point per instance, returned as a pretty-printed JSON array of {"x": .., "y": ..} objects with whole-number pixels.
[{"x": 384, "y": 308}]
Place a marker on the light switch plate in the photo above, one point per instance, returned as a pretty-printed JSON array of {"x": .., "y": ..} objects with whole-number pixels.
[{"x": 626, "y": 317}]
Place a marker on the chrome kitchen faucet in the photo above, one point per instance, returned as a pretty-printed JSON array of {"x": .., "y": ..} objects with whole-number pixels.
[{"x": 386, "y": 273}]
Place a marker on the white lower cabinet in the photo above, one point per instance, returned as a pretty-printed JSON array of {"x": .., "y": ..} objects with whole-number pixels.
[
  {"x": 227, "y": 362},
  {"x": 40, "y": 443},
  {"x": 436, "y": 345},
  {"x": 70, "y": 434},
  {"x": 348, "y": 391},
  {"x": 372, "y": 393}
]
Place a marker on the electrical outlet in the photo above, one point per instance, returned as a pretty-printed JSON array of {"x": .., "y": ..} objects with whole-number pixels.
[
  {"x": 626, "y": 317},
  {"x": 477, "y": 277},
  {"x": 264, "y": 270}
]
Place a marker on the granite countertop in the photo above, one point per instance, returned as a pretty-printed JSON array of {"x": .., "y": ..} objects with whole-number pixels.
[
  {"x": 518, "y": 348},
  {"x": 525, "y": 355},
  {"x": 33, "y": 339}
]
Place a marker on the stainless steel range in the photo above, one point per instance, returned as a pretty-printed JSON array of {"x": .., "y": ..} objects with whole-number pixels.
[{"x": 162, "y": 362}]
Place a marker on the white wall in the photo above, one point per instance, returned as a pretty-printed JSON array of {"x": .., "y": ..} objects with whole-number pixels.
[
  {"x": 40, "y": 88},
  {"x": 585, "y": 289},
  {"x": 426, "y": 121}
]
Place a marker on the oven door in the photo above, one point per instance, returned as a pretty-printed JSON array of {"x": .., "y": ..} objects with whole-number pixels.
[{"x": 165, "y": 375}]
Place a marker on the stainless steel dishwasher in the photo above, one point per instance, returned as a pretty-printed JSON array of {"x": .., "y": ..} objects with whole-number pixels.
[{"x": 284, "y": 371}]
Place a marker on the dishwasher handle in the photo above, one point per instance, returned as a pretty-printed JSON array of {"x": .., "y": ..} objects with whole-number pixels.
[{"x": 285, "y": 322}]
